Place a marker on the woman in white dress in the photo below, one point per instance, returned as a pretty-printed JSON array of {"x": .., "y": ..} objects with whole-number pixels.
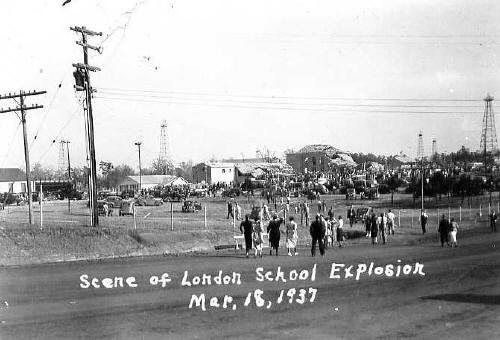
[
  {"x": 453, "y": 232},
  {"x": 291, "y": 237},
  {"x": 258, "y": 229}
]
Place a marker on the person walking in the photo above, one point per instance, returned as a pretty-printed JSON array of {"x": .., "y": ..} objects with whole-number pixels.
[
  {"x": 306, "y": 213},
  {"x": 238, "y": 211},
  {"x": 493, "y": 221},
  {"x": 246, "y": 228},
  {"x": 229, "y": 209},
  {"x": 368, "y": 222},
  {"x": 423, "y": 220},
  {"x": 382, "y": 226},
  {"x": 443, "y": 230},
  {"x": 340, "y": 231},
  {"x": 453, "y": 233},
  {"x": 257, "y": 237},
  {"x": 373, "y": 227},
  {"x": 273, "y": 229},
  {"x": 351, "y": 215},
  {"x": 317, "y": 236},
  {"x": 390, "y": 222},
  {"x": 291, "y": 237}
]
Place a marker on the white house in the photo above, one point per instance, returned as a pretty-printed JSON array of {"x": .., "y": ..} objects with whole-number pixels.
[
  {"x": 13, "y": 180},
  {"x": 213, "y": 173},
  {"x": 150, "y": 182}
]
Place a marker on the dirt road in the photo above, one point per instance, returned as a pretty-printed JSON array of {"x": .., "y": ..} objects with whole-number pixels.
[{"x": 459, "y": 296}]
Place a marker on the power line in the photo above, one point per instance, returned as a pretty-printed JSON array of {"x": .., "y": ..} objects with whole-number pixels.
[
  {"x": 296, "y": 97},
  {"x": 118, "y": 93},
  {"x": 280, "y": 107},
  {"x": 9, "y": 148}
]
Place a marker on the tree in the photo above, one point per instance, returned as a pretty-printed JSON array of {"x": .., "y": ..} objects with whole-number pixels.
[
  {"x": 394, "y": 182},
  {"x": 161, "y": 166},
  {"x": 185, "y": 170},
  {"x": 116, "y": 175}
]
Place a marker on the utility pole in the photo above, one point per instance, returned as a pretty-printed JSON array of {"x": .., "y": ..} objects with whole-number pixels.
[
  {"x": 140, "y": 167},
  {"x": 69, "y": 173},
  {"x": 82, "y": 78},
  {"x": 23, "y": 108}
]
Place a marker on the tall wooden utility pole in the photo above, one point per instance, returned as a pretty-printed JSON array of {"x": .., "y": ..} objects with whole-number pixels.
[
  {"x": 69, "y": 174},
  {"x": 140, "y": 167},
  {"x": 23, "y": 108},
  {"x": 82, "y": 78}
]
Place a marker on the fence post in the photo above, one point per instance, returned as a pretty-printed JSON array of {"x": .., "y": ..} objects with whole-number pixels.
[
  {"x": 135, "y": 221},
  {"x": 449, "y": 213},
  {"x": 399, "y": 218},
  {"x": 171, "y": 216},
  {"x": 480, "y": 212},
  {"x": 438, "y": 215},
  {"x": 411, "y": 213},
  {"x": 498, "y": 207},
  {"x": 41, "y": 206},
  {"x": 205, "y": 217},
  {"x": 489, "y": 208},
  {"x": 234, "y": 218}
]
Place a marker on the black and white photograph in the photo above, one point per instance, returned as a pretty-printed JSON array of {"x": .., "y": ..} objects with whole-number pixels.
[{"x": 234, "y": 169}]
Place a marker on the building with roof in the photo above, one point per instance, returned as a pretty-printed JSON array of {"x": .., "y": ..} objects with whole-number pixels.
[
  {"x": 13, "y": 180},
  {"x": 214, "y": 172},
  {"x": 319, "y": 158},
  {"x": 150, "y": 182}
]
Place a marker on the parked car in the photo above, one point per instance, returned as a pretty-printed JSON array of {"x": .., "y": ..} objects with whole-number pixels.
[
  {"x": 351, "y": 194},
  {"x": 113, "y": 201},
  {"x": 100, "y": 207},
  {"x": 174, "y": 197},
  {"x": 127, "y": 207},
  {"x": 190, "y": 206},
  {"x": 361, "y": 212},
  {"x": 233, "y": 192},
  {"x": 148, "y": 201}
]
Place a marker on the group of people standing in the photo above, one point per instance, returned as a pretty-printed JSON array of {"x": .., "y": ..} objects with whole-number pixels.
[
  {"x": 447, "y": 230},
  {"x": 379, "y": 226},
  {"x": 253, "y": 232}
]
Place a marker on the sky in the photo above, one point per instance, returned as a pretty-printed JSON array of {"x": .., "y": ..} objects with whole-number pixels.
[{"x": 231, "y": 77}]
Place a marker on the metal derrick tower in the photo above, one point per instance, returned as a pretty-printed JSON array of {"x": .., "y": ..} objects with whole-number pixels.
[
  {"x": 420, "y": 150},
  {"x": 165, "y": 157},
  {"x": 489, "y": 141}
]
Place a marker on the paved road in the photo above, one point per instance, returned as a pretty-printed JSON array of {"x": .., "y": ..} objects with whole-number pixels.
[{"x": 459, "y": 297}]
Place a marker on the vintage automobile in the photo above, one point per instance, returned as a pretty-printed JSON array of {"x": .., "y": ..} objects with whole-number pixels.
[
  {"x": 101, "y": 209},
  {"x": 190, "y": 206},
  {"x": 174, "y": 197},
  {"x": 127, "y": 207},
  {"x": 351, "y": 194},
  {"x": 361, "y": 212},
  {"x": 148, "y": 201},
  {"x": 113, "y": 201},
  {"x": 233, "y": 192}
]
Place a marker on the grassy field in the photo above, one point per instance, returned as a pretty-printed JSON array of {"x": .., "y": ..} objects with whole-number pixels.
[
  {"x": 170, "y": 217},
  {"x": 67, "y": 236}
]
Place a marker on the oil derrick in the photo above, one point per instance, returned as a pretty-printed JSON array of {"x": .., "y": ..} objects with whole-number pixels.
[
  {"x": 164, "y": 158},
  {"x": 420, "y": 150},
  {"x": 434, "y": 147},
  {"x": 489, "y": 141}
]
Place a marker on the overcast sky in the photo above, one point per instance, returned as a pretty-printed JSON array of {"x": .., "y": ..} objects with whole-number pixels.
[{"x": 232, "y": 76}]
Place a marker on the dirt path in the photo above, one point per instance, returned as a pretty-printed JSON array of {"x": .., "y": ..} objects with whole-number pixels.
[{"x": 459, "y": 297}]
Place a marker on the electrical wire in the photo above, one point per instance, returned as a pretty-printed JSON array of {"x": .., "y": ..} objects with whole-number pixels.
[
  {"x": 118, "y": 93},
  {"x": 285, "y": 108},
  {"x": 290, "y": 97},
  {"x": 9, "y": 148}
]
